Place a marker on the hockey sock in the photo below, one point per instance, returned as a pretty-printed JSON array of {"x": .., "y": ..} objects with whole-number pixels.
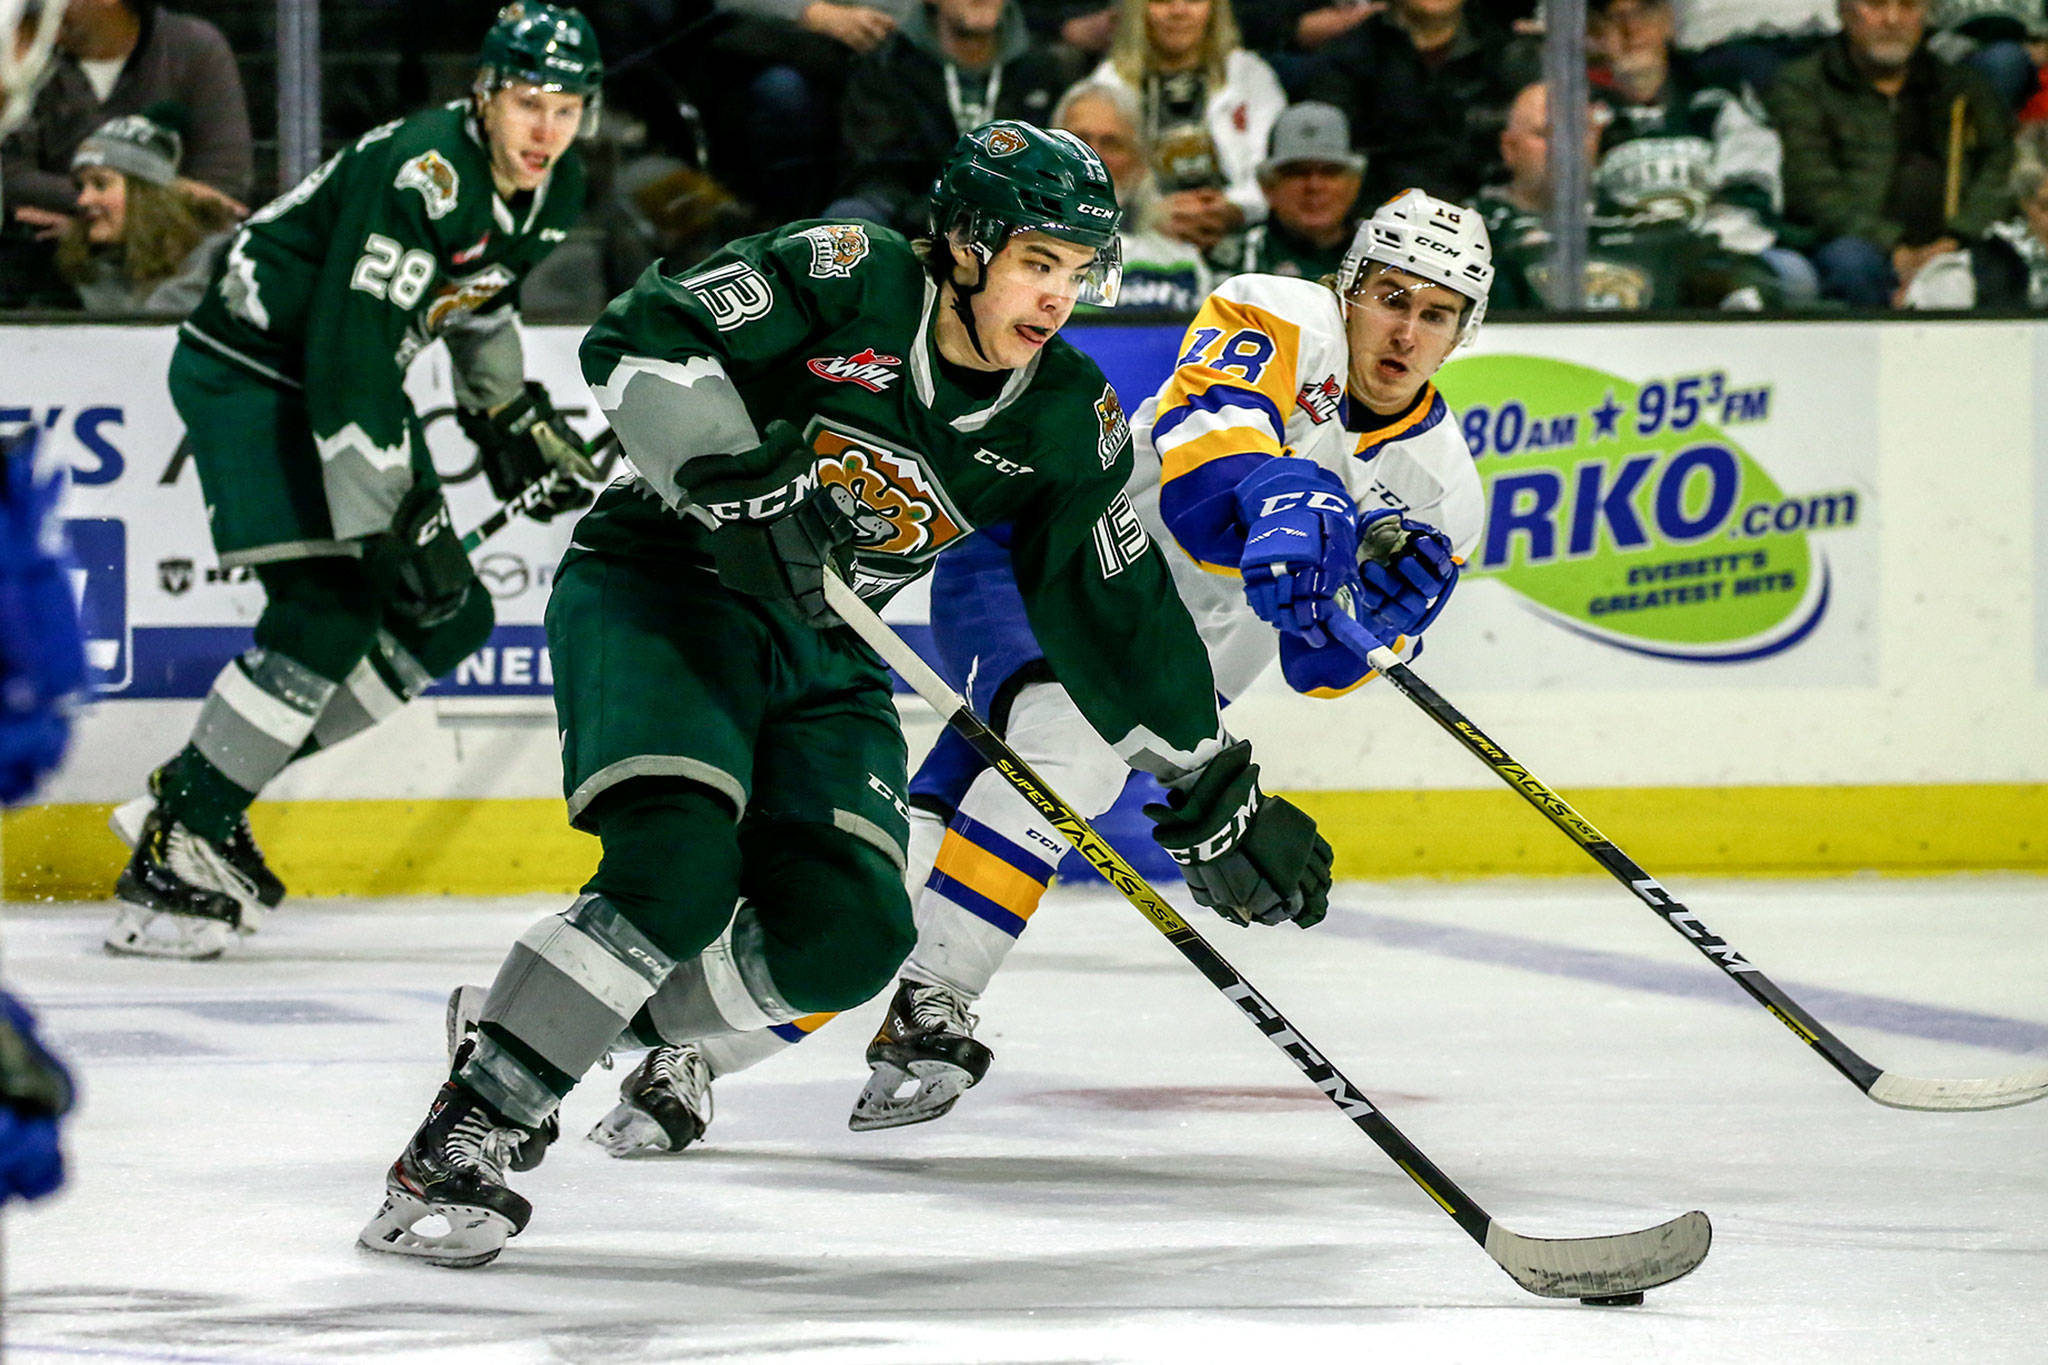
[
  {"x": 259, "y": 711},
  {"x": 568, "y": 987},
  {"x": 195, "y": 794},
  {"x": 375, "y": 689},
  {"x": 999, "y": 854}
]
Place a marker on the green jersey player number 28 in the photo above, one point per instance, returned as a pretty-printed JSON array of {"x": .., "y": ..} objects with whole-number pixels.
[
  {"x": 289, "y": 376},
  {"x": 825, "y": 398}
]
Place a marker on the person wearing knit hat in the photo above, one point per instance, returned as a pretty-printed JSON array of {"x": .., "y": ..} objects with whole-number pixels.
[{"x": 141, "y": 241}]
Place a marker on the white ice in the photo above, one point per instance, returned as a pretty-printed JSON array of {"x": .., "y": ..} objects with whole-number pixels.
[{"x": 1141, "y": 1178}]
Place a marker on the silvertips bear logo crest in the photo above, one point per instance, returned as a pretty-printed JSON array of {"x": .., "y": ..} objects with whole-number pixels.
[
  {"x": 1116, "y": 430},
  {"x": 1003, "y": 142},
  {"x": 836, "y": 248},
  {"x": 434, "y": 178}
]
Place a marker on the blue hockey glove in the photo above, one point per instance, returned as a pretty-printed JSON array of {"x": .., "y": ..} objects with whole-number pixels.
[
  {"x": 42, "y": 658},
  {"x": 1405, "y": 574},
  {"x": 35, "y": 1092},
  {"x": 1300, "y": 543}
]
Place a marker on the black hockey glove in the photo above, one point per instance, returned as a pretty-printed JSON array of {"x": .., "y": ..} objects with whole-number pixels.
[
  {"x": 421, "y": 562},
  {"x": 1252, "y": 858},
  {"x": 525, "y": 441},
  {"x": 780, "y": 528}
]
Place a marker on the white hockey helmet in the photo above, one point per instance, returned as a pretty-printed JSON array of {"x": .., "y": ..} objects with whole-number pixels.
[
  {"x": 28, "y": 32},
  {"x": 1439, "y": 241}
]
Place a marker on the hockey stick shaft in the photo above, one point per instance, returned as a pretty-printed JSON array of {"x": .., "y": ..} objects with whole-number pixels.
[
  {"x": 529, "y": 497},
  {"x": 1134, "y": 888},
  {"x": 1900, "y": 1092}
]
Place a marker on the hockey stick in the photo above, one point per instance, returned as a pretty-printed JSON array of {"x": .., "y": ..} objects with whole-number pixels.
[
  {"x": 1620, "y": 1266},
  {"x": 529, "y": 497},
  {"x": 1886, "y": 1087}
]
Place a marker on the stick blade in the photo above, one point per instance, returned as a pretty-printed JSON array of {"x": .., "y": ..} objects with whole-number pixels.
[
  {"x": 1989, "y": 1092},
  {"x": 1583, "y": 1267}
]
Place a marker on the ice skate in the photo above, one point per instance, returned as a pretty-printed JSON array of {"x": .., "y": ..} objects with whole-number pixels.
[
  {"x": 923, "y": 1058},
  {"x": 179, "y": 895},
  {"x": 664, "y": 1105},
  {"x": 239, "y": 848},
  {"x": 465, "y": 1008},
  {"x": 453, "y": 1170}
]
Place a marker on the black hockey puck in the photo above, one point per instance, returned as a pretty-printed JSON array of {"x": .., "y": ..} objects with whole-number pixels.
[{"x": 1614, "y": 1300}]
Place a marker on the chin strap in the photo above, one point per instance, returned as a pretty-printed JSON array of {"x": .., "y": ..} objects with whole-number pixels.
[{"x": 963, "y": 305}]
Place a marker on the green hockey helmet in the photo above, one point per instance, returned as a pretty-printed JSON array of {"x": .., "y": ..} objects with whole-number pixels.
[
  {"x": 1007, "y": 177},
  {"x": 550, "y": 46}
]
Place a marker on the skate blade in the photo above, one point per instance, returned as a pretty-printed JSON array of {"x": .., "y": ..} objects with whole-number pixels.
[
  {"x": 628, "y": 1132},
  {"x": 474, "y": 1237},
  {"x": 141, "y": 932},
  {"x": 882, "y": 1105}
]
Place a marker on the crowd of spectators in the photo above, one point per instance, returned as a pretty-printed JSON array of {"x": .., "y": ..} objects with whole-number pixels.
[{"x": 1744, "y": 154}]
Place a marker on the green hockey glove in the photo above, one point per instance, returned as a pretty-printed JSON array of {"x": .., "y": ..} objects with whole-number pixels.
[
  {"x": 1252, "y": 858},
  {"x": 420, "y": 562},
  {"x": 780, "y": 529},
  {"x": 523, "y": 442}
]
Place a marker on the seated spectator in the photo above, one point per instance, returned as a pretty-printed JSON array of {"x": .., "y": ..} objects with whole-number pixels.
[
  {"x": 139, "y": 243},
  {"x": 773, "y": 80},
  {"x": 952, "y": 66},
  {"x": 1426, "y": 88},
  {"x": 1161, "y": 273},
  {"x": 1995, "y": 38},
  {"x": 1207, "y": 105},
  {"x": 1744, "y": 42},
  {"x": 1676, "y": 146},
  {"x": 2008, "y": 266},
  {"x": 1311, "y": 183},
  {"x": 115, "y": 57},
  {"x": 1634, "y": 262},
  {"x": 1892, "y": 156}
]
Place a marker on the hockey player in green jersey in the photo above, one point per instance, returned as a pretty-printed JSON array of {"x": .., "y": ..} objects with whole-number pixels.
[
  {"x": 728, "y": 741},
  {"x": 289, "y": 376}
]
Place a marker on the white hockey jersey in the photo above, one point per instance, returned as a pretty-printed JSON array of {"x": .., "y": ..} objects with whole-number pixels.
[{"x": 1262, "y": 374}]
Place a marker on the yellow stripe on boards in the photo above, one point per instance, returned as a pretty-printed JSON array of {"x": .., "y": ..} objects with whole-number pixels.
[
  {"x": 1719, "y": 831},
  {"x": 328, "y": 848},
  {"x": 509, "y": 847}
]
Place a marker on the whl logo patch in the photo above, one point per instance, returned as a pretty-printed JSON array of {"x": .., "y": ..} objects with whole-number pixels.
[
  {"x": 1320, "y": 401},
  {"x": 872, "y": 372}
]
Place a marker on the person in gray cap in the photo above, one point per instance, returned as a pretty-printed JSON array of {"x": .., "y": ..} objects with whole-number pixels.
[
  {"x": 1310, "y": 180},
  {"x": 140, "y": 242}
]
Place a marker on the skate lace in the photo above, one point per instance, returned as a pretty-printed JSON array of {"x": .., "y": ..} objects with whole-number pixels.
[
  {"x": 195, "y": 860},
  {"x": 941, "y": 1010},
  {"x": 683, "y": 1069},
  {"x": 476, "y": 1141}
]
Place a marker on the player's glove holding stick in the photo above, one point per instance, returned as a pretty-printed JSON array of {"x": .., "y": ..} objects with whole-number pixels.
[
  {"x": 420, "y": 561},
  {"x": 1300, "y": 544},
  {"x": 1405, "y": 574},
  {"x": 780, "y": 530},
  {"x": 525, "y": 441},
  {"x": 1252, "y": 858}
]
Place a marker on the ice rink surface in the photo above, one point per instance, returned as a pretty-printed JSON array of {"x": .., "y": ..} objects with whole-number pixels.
[{"x": 1141, "y": 1178}]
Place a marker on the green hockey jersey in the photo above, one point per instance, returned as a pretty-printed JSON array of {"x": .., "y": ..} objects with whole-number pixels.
[
  {"x": 831, "y": 327},
  {"x": 335, "y": 285}
]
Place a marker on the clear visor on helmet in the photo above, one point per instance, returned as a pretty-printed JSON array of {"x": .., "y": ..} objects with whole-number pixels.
[{"x": 1095, "y": 283}]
